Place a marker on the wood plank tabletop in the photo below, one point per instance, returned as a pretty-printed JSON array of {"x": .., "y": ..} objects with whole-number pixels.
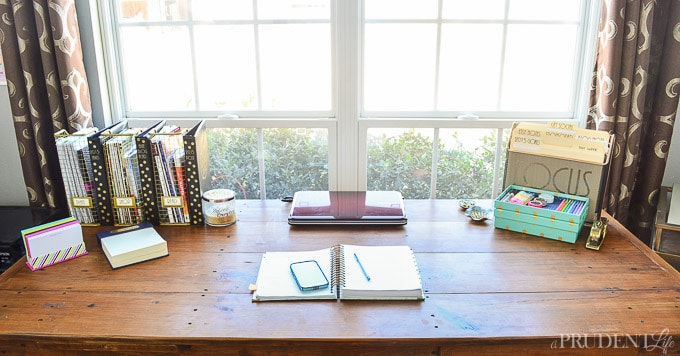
[{"x": 487, "y": 291}]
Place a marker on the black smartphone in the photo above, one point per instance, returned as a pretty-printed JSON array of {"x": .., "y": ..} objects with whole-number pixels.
[{"x": 308, "y": 275}]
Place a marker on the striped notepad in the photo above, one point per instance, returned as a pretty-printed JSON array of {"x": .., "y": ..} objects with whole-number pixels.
[{"x": 52, "y": 243}]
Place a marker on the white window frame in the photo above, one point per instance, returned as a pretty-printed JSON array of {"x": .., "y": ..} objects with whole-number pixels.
[{"x": 347, "y": 124}]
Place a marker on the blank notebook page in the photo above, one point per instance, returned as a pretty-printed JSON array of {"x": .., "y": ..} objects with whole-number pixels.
[{"x": 390, "y": 268}]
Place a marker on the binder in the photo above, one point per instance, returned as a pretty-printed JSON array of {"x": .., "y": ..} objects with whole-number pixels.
[
  {"x": 174, "y": 169},
  {"x": 78, "y": 175},
  {"x": 196, "y": 170},
  {"x": 101, "y": 183},
  {"x": 167, "y": 153},
  {"x": 144, "y": 160},
  {"x": 125, "y": 185}
]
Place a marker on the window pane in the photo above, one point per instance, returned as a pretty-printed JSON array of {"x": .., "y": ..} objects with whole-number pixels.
[
  {"x": 153, "y": 10},
  {"x": 295, "y": 67},
  {"x": 156, "y": 76},
  {"x": 225, "y": 68},
  {"x": 400, "y": 9},
  {"x": 294, "y": 159},
  {"x": 479, "y": 67},
  {"x": 399, "y": 67},
  {"x": 233, "y": 161},
  {"x": 222, "y": 9},
  {"x": 470, "y": 66},
  {"x": 539, "y": 65},
  {"x": 293, "y": 9},
  {"x": 544, "y": 10},
  {"x": 401, "y": 160},
  {"x": 466, "y": 163},
  {"x": 478, "y": 9}
]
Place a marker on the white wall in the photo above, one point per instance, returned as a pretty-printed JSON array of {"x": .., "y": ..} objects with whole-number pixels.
[{"x": 12, "y": 188}]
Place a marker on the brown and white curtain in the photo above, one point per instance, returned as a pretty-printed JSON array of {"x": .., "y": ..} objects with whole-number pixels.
[
  {"x": 634, "y": 95},
  {"x": 47, "y": 88}
]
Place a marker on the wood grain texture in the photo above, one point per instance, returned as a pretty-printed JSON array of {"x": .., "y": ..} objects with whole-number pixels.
[{"x": 487, "y": 291}]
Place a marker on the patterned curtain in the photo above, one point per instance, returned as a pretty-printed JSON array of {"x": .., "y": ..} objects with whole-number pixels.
[
  {"x": 47, "y": 88},
  {"x": 634, "y": 95}
]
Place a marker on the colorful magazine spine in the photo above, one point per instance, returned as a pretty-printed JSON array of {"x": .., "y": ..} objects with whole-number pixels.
[
  {"x": 179, "y": 164},
  {"x": 146, "y": 175},
  {"x": 77, "y": 175},
  {"x": 123, "y": 175},
  {"x": 165, "y": 145},
  {"x": 100, "y": 182},
  {"x": 173, "y": 166}
]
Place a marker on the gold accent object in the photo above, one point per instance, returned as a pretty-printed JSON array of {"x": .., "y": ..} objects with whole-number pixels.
[{"x": 597, "y": 233}]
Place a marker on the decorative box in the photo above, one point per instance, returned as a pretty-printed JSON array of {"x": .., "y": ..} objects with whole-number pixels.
[
  {"x": 561, "y": 219},
  {"x": 561, "y": 158}
]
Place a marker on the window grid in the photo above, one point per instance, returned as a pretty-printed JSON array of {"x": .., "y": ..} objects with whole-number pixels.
[
  {"x": 583, "y": 33},
  {"x": 118, "y": 24},
  {"x": 347, "y": 124}
]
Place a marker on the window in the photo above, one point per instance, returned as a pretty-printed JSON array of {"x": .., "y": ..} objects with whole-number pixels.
[
  {"x": 411, "y": 95},
  {"x": 455, "y": 56},
  {"x": 211, "y": 57}
]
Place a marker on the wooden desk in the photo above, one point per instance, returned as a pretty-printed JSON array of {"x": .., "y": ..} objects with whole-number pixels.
[{"x": 487, "y": 291}]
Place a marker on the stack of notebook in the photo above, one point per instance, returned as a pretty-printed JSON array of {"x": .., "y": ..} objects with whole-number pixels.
[{"x": 132, "y": 244}]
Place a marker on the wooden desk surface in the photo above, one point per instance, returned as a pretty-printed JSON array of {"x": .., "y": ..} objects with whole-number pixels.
[{"x": 487, "y": 290}]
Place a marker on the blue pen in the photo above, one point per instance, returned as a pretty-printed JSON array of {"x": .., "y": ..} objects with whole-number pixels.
[{"x": 368, "y": 278}]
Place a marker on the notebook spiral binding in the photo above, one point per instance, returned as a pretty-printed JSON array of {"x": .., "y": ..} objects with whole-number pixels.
[
  {"x": 337, "y": 267},
  {"x": 415, "y": 263}
]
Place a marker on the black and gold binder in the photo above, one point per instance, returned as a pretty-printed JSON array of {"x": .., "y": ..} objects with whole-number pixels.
[
  {"x": 124, "y": 178},
  {"x": 78, "y": 175},
  {"x": 146, "y": 173},
  {"x": 197, "y": 170},
  {"x": 174, "y": 169},
  {"x": 99, "y": 169}
]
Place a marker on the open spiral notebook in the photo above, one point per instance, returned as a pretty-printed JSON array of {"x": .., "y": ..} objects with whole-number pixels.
[{"x": 354, "y": 272}]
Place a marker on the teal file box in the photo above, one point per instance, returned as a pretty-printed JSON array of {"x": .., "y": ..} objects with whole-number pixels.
[{"x": 544, "y": 222}]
